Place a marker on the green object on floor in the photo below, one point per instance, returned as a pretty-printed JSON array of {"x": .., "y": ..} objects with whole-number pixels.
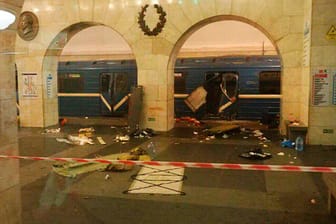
[{"x": 72, "y": 169}]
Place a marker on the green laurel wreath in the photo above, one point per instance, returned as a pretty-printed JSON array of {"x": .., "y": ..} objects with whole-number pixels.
[{"x": 159, "y": 26}]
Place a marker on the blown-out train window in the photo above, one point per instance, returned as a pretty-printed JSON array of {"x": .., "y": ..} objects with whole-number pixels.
[
  {"x": 180, "y": 83},
  {"x": 269, "y": 82}
]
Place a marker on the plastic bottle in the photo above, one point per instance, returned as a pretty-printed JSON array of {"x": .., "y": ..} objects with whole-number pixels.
[{"x": 299, "y": 143}]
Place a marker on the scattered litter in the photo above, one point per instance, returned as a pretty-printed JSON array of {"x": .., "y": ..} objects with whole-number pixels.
[
  {"x": 122, "y": 138},
  {"x": 190, "y": 120},
  {"x": 256, "y": 154},
  {"x": 294, "y": 157},
  {"x": 207, "y": 138},
  {"x": 143, "y": 133},
  {"x": 113, "y": 127},
  {"x": 80, "y": 140},
  {"x": 265, "y": 146},
  {"x": 257, "y": 133},
  {"x": 212, "y": 137},
  {"x": 107, "y": 177},
  {"x": 86, "y": 117},
  {"x": 313, "y": 201},
  {"x": 291, "y": 162},
  {"x": 176, "y": 143},
  {"x": 287, "y": 143},
  {"x": 245, "y": 137},
  {"x": 63, "y": 140},
  {"x": 225, "y": 136},
  {"x": 101, "y": 141},
  {"x": 195, "y": 133},
  {"x": 86, "y": 130},
  {"x": 280, "y": 154},
  {"x": 52, "y": 131},
  {"x": 63, "y": 121},
  {"x": 72, "y": 169}
]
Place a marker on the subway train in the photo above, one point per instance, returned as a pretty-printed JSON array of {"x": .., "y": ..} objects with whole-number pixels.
[{"x": 235, "y": 87}]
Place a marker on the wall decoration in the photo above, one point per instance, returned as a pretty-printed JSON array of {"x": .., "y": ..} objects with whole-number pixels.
[
  {"x": 159, "y": 26},
  {"x": 28, "y": 26},
  {"x": 331, "y": 34},
  {"x": 29, "y": 85}
]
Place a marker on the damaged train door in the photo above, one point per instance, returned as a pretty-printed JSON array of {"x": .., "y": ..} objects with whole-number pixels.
[
  {"x": 113, "y": 91},
  {"x": 222, "y": 93}
]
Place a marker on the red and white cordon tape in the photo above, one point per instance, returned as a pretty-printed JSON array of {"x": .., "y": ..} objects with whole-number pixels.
[{"x": 229, "y": 166}]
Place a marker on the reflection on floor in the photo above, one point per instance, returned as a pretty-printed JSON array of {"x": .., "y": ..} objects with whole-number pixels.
[{"x": 211, "y": 196}]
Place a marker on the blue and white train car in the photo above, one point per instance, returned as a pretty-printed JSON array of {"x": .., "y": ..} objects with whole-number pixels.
[{"x": 101, "y": 88}]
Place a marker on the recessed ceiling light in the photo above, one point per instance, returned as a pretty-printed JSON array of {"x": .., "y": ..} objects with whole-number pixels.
[{"x": 6, "y": 19}]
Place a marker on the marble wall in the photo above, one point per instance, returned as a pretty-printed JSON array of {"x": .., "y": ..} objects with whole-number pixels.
[
  {"x": 10, "y": 197},
  {"x": 323, "y": 56}
]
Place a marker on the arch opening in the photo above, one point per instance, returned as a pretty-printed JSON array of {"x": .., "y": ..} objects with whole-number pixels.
[
  {"x": 227, "y": 68},
  {"x": 92, "y": 84}
]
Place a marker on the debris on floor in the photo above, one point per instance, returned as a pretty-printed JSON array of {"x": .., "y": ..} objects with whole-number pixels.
[
  {"x": 256, "y": 154},
  {"x": 189, "y": 120},
  {"x": 88, "y": 132},
  {"x": 52, "y": 131},
  {"x": 76, "y": 140},
  {"x": 75, "y": 168},
  {"x": 286, "y": 143},
  {"x": 63, "y": 121},
  {"x": 143, "y": 133},
  {"x": 101, "y": 140},
  {"x": 122, "y": 138},
  {"x": 63, "y": 140},
  {"x": 280, "y": 154}
]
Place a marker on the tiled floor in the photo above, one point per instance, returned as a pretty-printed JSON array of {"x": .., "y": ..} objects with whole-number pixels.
[{"x": 212, "y": 196}]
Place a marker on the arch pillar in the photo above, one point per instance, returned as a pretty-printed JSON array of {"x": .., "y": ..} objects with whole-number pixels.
[
  {"x": 10, "y": 197},
  {"x": 157, "y": 82}
]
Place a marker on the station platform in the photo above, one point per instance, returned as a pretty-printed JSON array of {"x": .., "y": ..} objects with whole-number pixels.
[{"x": 210, "y": 195}]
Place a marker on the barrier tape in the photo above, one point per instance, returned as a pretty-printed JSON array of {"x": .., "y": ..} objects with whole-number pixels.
[{"x": 228, "y": 166}]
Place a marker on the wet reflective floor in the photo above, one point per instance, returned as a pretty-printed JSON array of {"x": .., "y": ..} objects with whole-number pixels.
[{"x": 210, "y": 195}]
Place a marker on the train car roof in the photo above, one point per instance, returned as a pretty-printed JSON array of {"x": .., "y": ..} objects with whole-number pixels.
[
  {"x": 205, "y": 62},
  {"x": 93, "y": 65},
  {"x": 230, "y": 62}
]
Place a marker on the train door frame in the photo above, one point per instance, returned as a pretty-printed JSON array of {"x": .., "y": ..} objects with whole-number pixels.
[
  {"x": 217, "y": 93},
  {"x": 113, "y": 98},
  {"x": 105, "y": 93}
]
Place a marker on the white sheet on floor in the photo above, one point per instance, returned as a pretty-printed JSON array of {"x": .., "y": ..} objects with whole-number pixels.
[{"x": 158, "y": 180}]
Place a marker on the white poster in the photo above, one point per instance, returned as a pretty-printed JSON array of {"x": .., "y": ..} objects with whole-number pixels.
[
  {"x": 320, "y": 88},
  {"x": 29, "y": 85}
]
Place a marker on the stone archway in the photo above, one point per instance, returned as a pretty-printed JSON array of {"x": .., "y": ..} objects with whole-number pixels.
[
  {"x": 200, "y": 24},
  {"x": 48, "y": 89}
]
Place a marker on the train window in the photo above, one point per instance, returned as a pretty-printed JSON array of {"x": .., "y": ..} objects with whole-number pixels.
[
  {"x": 70, "y": 83},
  {"x": 105, "y": 82},
  {"x": 269, "y": 82},
  {"x": 180, "y": 83},
  {"x": 121, "y": 82}
]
